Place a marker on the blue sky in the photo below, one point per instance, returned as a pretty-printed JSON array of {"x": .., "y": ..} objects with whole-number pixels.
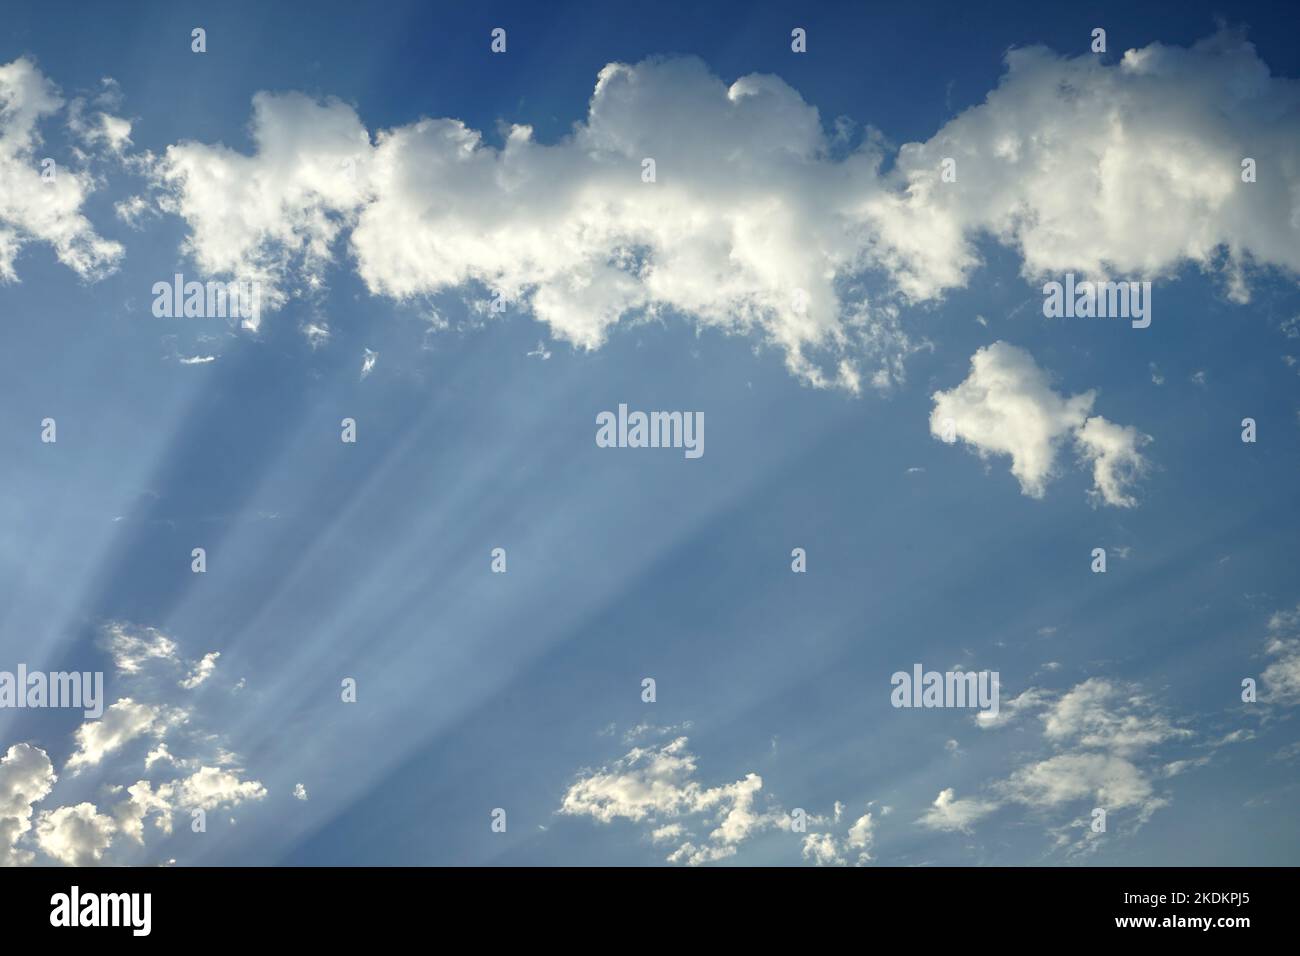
[{"x": 523, "y": 690}]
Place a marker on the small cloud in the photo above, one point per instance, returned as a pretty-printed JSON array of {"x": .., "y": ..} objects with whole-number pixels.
[
  {"x": 201, "y": 671},
  {"x": 1007, "y": 407},
  {"x": 949, "y": 813},
  {"x": 132, "y": 209}
]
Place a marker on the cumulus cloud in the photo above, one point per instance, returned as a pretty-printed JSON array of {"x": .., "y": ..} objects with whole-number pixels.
[
  {"x": 747, "y": 225},
  {"x": 754, "y": 219},
  {"x": 257, "y": 217},
  {"x": 123, "y": 722},
  {"x": 75, "y": 836},
  {"x": 822, "y": 849},
  {"x": 201, "y": 775},
  {"x": 827, "y": 848},
  {"x": 657, "y": 784},
  {"x": 1006, "y": 406},
  {"x": 1097, "y": 168},
  {"x": 26, "y": 776},
  {"x": 211, "y": 787},
  {"x": 143, "y": 801},
  {"x": 37, "y": 208}
]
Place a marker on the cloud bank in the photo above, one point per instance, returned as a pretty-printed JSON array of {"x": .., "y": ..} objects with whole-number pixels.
[{"x": 756, "y": 220}]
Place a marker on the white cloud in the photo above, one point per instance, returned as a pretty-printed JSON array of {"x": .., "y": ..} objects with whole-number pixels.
[
  {"x": 201, "y": 671},
  {"x": 757, "y": 221},
  {"x": 299, "y": 792},
  {"x": 645, "y": 782},
  {"x": 745, "y": 229},
  {"x": 949, "y": 813},
  {"x": 255, "y": 217},
  {"x": 693, "y": 855},
  {"x": 132, "y": 210},
  {"x": 1011, "y": 710},
  {"x": 668, "y": 833},
  {"x": 123, "y": 722},
  {"x": 656, "y": 784},
  {"x": 1095, "y": 168},
  {"x": 862, "y": 836},
  {"x": 822, "y": 849},
  {"x": 110, "y": 133},
  {"x": 202, "y": 775},
  {"x": 1105, "y": 715},
  {"x": 158, "y": 754},
  {"x": 36, "y": 209},
  {"x": 1111, "y": 781},
  {"x": 647, "y": 728},
  {"x": 1116, "y": 461},
  {"x": 1282, "y": 676},
  {"x": 131, "y": 650},
  {"x": 1105, "y": 735},
  {"x": 209, "y": 788},
  {"x": 75, "y": 836},
  {"x": 26, "y": 777},
  {"x": 1006, "y": 406},
  {"x": 144, "y": 800}
]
